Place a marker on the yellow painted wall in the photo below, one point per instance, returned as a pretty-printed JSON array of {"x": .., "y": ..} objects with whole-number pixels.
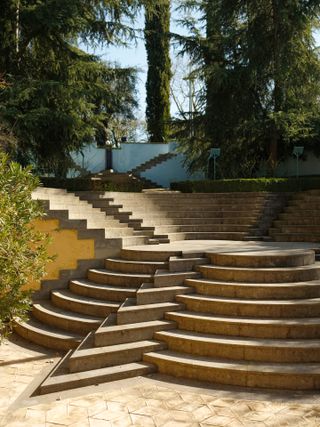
[{"x": 66, "y": 246}]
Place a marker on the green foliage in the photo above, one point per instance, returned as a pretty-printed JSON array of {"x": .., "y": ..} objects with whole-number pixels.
[
  {"x": 261, "y": 75},
  {"x": 23, "y": 254},
  {"x": 87, "y": 184},
  {"x": 248, "y": 185},
  {"x": 157, "y": 27},
  {"x": 58, "y": 97}
]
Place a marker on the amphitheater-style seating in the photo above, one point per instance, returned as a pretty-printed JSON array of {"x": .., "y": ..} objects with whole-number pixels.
[
  {"x": 171, "y": 216},
  {"x": 300, "y": 222}
]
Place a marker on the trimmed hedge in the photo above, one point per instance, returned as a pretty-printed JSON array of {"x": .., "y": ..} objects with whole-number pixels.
[
  {"x": 85, "y": 184},
  {"x": 248, "y": 185}
]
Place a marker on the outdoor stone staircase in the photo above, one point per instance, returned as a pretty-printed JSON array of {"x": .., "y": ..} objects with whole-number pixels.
[
  {"x": 171, "y": 216},
  {"x": 152, "y": 162},
  {"x": 244, "y": 319},
  {"x": 252, "y": 321},
  {"x": 126, "y": 303},
  {"x": 300, "y": 222},
  {"x": 108, "y": 234}
]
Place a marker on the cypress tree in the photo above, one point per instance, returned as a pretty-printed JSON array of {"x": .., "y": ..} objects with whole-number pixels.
[{"x": 157, "y": 27}]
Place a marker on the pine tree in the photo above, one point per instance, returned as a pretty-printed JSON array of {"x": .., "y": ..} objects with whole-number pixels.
[
  {"x": 57, "y": 96},
  {"x": 157, "y": 27},
  {"x": 261, "y": 80}
]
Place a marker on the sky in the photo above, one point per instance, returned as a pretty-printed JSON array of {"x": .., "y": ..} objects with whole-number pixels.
[{"x": 135, "y": 56}]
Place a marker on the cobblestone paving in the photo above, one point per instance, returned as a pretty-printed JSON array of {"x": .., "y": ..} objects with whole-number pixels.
[{"x": 141, "y": 402}]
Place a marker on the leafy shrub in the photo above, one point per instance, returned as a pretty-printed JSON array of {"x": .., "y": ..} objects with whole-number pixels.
[
  {"x": 87, "y": 184},
  {"x": 248, "y": 185},
  {"x": 23, "y": 250}
]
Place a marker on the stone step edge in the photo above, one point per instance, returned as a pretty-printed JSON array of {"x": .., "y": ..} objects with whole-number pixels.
[{"x": 96, "y": 376}]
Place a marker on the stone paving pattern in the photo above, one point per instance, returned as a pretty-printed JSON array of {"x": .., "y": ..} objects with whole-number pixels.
[{"x": 144, "y": 402}]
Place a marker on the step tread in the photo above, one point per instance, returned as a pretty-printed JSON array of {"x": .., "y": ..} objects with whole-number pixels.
[
  {"x": 316, "y": 265},
  {"x": 235, "y": 365},
  {"x": 98, "y": 373},
  {"x": 67, "y": 295},
  {"x": 115, "y": 348},
  {"x": 198, "y": 337},
  {"x": 150, "y": 306},
  {"x": 119, "y": 274},
  {"x": 67, "y": 315},
  {"x": 243, "y": 320},
  {"x": 94, "y": 285},
  {"x": 132, "y": 326},
  {"x": 311, "y": 283},
  {"x": 142, "y": 262},
  {"x": 206, "y": 298},
  {"x": 43, "y": 329}
]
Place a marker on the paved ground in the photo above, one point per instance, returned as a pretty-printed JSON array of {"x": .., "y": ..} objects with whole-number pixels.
[
  {"x": 189, "y": 246},
  {"x": 154, "y": 401}
]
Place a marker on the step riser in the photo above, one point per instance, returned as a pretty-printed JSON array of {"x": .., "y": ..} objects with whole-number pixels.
[
  {"x": 143, "y": 268},
  {"x": 253, "y": 330},
  {"x": 312, "y": 238},
  {"x": 265, "y": 261},
  {"x": 206, "y": 236},
  {"x": 97, "y": 361},
  {"x": 125, "y": 281},
  {"x": 235, "y": 378},
  {"x": 132, "y": 255},
  {"x": 82, "y": 308},
  {"x": 202, "y": 228},
  {"x": 260, "y": 276},
  {"x": 251, "y": 310},
  {"x": 241, "y": 352},
  {"x": 143, "y": 315},
  {"x": 139, "y": 333},
  {"x": 160, "y": 295},
  {"x": 103, "y": 294},
  {"x": 45, "y": 340},
  {"x": 68, "y": 384},
  {"x": 80, "y": 327},
  {"x": 256, "y": 292}
]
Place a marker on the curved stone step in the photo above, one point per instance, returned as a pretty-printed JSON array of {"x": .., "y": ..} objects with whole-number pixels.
[
  {"x": 251, "y": 308},
  {"x": 152, "y": 295},
  {"x": 120, "y": 334},
  {"x": 147, "y": 255},
  {"x": 117, "y": 278},
  {"x": 294, "y": 237},
  {"x": 94, "y": 377},
  {"x": 206, "y": 235},
  {"x": 255, "y": 291},
  {"x": 41, "y": 334},
  {"x": 127, "y": 266},
  {"x": 234, "y": 348},
  {"x": 111, "y": 355},
  {"x": 79, "y": 304},
  {"x": 261, "y": 275},
  {"x": 221, "y": 371},
  {"x": 145, "y": 312},
  {"x": 101, "y": 291},
  {"x": 202, "y": 228},
  {"x": 246, "y": 327},
  {"x": 54, "y": 316},
  {"x": 263, "y": 259}
]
